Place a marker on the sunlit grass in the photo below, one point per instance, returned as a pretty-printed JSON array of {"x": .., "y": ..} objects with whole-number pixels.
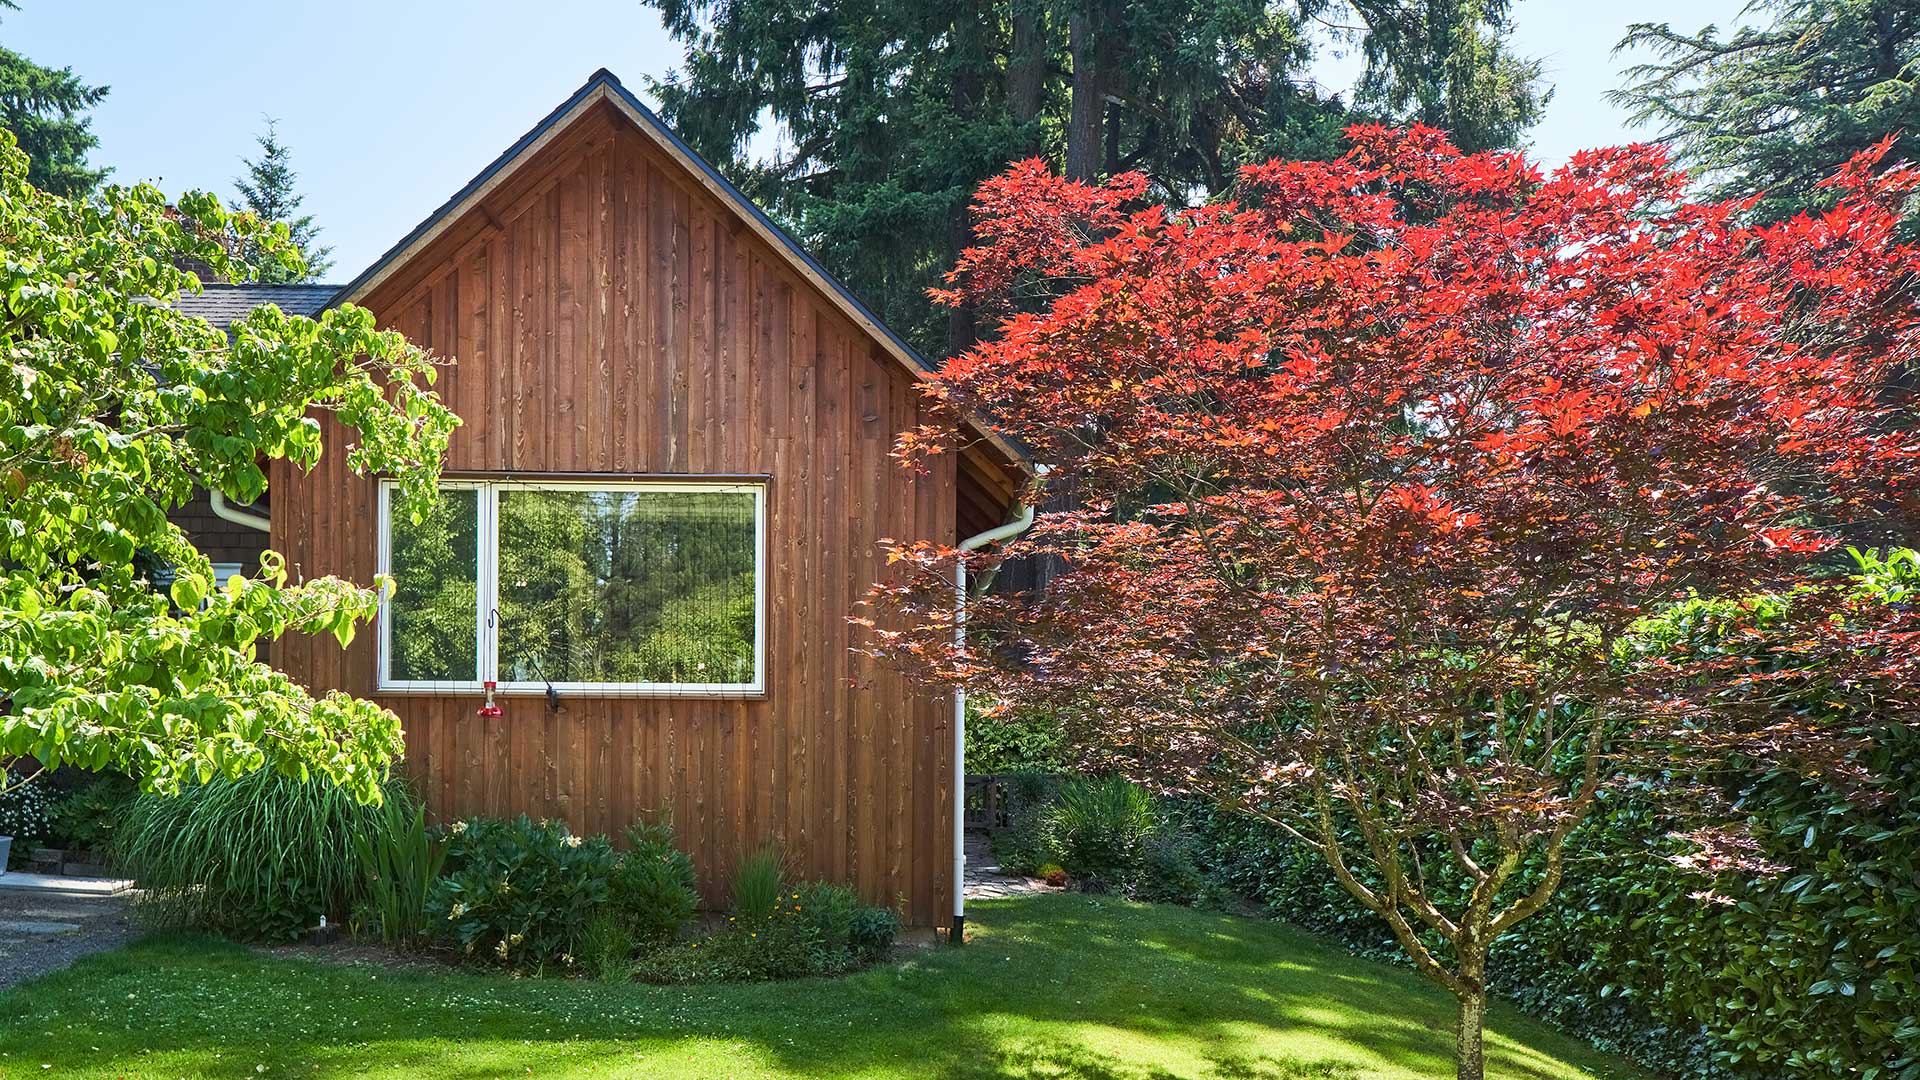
[{"x": 1058, "y": 986}]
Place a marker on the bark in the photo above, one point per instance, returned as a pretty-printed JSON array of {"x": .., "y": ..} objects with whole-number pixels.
[
  {"x": 1113, "y": 138},
  {"x": 1027, "y": 67},
  {"x": 1083, "y": 117},
  {"x": 962, "y": 328},
  {"x": 1096, "y": 40},
  {"x": 1469, "y": 1050},
  {"x": 969, "y": 88}
]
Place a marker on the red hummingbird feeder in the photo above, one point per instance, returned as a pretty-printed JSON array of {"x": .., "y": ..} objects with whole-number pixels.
[{"x": 489, "y": 709}]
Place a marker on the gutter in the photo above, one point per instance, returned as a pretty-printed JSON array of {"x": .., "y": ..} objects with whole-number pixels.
[
  {"x": 225, "y": 511},
  {"x": 958, "y": 934}
]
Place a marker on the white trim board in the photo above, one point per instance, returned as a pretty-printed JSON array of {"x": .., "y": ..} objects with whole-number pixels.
[{"x": 486, "y": 635}]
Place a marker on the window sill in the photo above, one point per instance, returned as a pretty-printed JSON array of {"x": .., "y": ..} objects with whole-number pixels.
[{"x": 597, "y": 693}]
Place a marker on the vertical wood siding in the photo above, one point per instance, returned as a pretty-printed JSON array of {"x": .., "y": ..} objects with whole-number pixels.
[{"x": 607, "y": 315}]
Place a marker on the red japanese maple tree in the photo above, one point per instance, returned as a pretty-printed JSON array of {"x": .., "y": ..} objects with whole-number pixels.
[{"x": 1379, "y": 465}]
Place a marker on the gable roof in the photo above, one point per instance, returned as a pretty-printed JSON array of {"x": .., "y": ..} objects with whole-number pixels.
[
  {"x": 603, "y": 86},
  {"x": 220, "y": 303}
]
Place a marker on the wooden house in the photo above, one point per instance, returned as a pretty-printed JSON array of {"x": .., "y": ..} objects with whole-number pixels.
[{"x": 667, "y": 497}]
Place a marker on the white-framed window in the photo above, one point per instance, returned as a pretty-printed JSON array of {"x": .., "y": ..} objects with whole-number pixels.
[{"x": 594, "y": 586}]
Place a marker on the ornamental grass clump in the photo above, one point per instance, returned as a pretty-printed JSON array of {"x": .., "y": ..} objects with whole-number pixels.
[
  {"x": 1097, "y": 829},
  {"x": 757, "y": 883},
  {"x": 264, "y": 856}
]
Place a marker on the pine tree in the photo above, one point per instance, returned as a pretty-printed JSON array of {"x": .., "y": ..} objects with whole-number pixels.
[
  {"x": 1776, "y": 108},
  {"x": 267, "y": 191},
  {"x": 45, "y": 109},
  {"x": 891, "y": 115}
]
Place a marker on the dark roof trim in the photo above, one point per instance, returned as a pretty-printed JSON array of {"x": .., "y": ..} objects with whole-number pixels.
[
  {"x": 608, "y": 79},
  {"x": 493, "y": 169},
  {"x": 604, "y": 81}
]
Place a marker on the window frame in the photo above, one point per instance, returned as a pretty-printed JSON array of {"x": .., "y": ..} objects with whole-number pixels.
[{"x": 486, "y": 576}]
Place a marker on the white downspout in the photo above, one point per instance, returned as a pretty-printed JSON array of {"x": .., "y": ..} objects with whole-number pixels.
[
  {"x": 226, "y": 512},
  {"x": 958, "y": 934}
]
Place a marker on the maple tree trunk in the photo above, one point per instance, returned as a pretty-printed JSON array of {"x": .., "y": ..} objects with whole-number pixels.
[
  {"x": 1469, "y": 1050},
  {"x": 1470, "y": 950}
]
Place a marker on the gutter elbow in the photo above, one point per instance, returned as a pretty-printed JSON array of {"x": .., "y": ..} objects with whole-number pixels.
[{"x": 226, "y": 511}]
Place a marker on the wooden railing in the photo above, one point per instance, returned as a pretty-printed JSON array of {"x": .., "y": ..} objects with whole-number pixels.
[{"x": 986, "y": 803}]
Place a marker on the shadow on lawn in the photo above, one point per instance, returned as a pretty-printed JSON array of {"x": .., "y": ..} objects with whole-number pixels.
[
  {"x": 1236, "y": 971},
  {"x": 1054, "y": 987}
]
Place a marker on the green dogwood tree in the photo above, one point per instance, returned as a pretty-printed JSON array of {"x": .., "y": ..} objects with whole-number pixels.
[{"x": 118, "y": 649}]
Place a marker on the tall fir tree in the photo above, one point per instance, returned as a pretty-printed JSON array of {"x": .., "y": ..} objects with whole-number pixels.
[
  {"x": 45, "y": 108},
  {"x": 1446, "y": 63},
  {"x": 1775, "y": 108},
  {"x": 891, "y": 115},
  {"x": 268, "y": 192}
]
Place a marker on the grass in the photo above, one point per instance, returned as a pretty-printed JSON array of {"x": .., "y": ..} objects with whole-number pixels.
[{"x": 1064, "y": 987}]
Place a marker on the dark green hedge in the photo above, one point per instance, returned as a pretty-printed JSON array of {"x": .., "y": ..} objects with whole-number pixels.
[{"x": 1811, "y": 972}]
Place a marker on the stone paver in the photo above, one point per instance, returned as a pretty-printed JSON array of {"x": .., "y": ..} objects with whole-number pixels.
[
  {"x": 36, "y": 929},
  {"x": 18, "y": 882},
  {"x": 43, "y": 931},
  {"x": 986, "y": 881}
]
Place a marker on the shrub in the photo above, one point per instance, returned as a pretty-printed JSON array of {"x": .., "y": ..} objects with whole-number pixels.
[
  {"x": 1168, "y": 873},
  {"x": 871, "y": 932},
  {"x": 1098, "y": 830},
  {"x": 829, "y": 909},
  {"x": 399, "y": 865},
  {"x": 757, "y": 883},
  {"x": 262, "y": 856},
  {"x": 520, "y": 892},
  {"x": 1022, "y": 847},
  {"x": 813, "y": 929},
  {"x": 1102, "y": 835},
  {"x": 1015, "y": 740},
  {"x": 652, "y": 885},
  {"x": 85, "y": 817},
  {"x": 782, "y": 945},
  {"x": 23, "y": 816}
]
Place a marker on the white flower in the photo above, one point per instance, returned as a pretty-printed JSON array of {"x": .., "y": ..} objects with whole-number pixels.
[{"x": 573, "y": 841}]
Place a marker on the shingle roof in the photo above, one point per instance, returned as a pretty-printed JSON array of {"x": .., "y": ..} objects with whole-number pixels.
[{"x": 222, "y": 304}]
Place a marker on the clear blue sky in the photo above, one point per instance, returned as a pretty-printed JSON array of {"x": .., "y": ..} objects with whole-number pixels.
[{"x": 391, "y": 106}]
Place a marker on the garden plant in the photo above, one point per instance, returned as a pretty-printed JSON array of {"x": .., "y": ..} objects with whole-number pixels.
[
  {"x": 118, "y": 649},
  {"x": 1381, "y": 464}
]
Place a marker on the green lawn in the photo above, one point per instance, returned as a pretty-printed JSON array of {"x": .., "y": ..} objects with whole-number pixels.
[{"x": 1059, "y": 986}]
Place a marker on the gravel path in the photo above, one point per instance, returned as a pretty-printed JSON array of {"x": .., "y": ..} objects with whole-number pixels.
[{"x": 40, "y": 932}]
